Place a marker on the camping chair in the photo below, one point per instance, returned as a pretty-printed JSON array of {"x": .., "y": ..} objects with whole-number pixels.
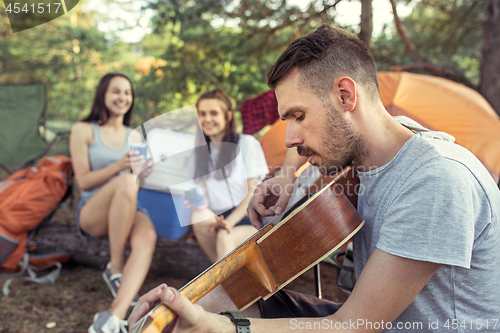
[{"x": 22, "y": 113}]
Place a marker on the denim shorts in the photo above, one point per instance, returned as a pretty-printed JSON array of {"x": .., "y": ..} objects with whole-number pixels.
[
  {"x": 82, "y": 202},
  {"x": 244, "y": 221}
]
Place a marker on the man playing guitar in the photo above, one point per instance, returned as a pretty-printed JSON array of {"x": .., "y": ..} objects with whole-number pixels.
[{"x": 428, "y": 257}]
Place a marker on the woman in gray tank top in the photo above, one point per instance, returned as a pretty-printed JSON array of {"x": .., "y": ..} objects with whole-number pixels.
[{"x": 108, "y": 206}]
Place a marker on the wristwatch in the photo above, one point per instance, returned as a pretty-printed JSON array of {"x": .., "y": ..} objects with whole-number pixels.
[{"x": 238, "y": 319}]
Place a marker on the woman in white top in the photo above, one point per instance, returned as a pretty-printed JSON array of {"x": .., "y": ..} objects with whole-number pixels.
[
  {"x": 108, "y": 206},
  {"x": 229, "y": 171}
]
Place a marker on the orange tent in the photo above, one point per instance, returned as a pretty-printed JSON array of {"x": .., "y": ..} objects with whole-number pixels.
[
  {"x": 273, "y": 144},
  {"x": 435, "y": 103},
  {"x": 447, "y": 106}
]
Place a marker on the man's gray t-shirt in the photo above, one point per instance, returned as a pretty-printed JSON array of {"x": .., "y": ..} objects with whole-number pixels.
[{"x": 436, "y": 202}]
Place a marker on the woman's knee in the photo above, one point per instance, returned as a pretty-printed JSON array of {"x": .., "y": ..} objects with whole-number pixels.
[
  {"x": 223, "y": 236},
  {"x": 125, "y": 185},
  {"x": 149, "y": 232},
  {"x": 202, "y": 216},
  {"x": 151, "y": 237},
  {"x": 203, "y": 228},
  {"x": 144, "y": 236}
]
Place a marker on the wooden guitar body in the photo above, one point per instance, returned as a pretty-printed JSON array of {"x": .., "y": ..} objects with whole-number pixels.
[{"x": 312, "y": 229}]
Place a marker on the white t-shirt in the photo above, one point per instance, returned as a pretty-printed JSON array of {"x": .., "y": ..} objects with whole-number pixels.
[{"x": 224, "y": 194}]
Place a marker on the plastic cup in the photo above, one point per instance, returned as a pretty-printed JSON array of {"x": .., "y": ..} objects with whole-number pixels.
[
  {"x": 196, "y": 197},
  {"x": 142, "y": 148}
]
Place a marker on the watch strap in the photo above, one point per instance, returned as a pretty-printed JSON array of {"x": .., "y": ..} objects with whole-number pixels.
[{"x": 239, "y": 320}]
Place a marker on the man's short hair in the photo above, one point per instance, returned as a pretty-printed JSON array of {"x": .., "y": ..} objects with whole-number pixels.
[{"x": 324, "y": 55}]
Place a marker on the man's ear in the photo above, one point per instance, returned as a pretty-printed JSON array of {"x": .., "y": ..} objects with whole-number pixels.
[{"x": 345, "y": 95}]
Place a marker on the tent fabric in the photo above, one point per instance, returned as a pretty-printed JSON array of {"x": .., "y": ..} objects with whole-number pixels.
[
  {"x": 21, "y": 110},
  {"x": 446, "y": 106},
  {"x": 436, "y": 103},
  {"x": 273, "y": 144}
]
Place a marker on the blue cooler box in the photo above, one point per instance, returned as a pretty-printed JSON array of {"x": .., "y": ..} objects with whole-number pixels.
[{"x": 163, "y": 213}]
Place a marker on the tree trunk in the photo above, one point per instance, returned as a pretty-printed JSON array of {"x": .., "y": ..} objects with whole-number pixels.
[
  {"x": 365, "y": 33},
  {"x": 172, "y": 258},
  {"x": 410, "y": 48},
  {"x": 490, "y": 68}
]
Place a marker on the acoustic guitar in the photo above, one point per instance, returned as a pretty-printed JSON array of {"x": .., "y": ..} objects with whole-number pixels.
[{"x": 309, "y": 231}]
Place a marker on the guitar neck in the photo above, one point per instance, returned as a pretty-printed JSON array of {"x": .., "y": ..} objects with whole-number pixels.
[
  {"x": 244, "y": 256},
  {"x": 256, "y": 268}
]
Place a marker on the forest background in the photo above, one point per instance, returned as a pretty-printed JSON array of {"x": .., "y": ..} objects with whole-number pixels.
[{"x": 195, "y": 45}]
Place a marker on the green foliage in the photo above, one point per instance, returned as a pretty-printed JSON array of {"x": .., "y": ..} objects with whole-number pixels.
[
  {"x": 202, "y": 44},
  {"x": 229, "y": 44},
  {"x": 68, "y": 54},
  {"x": 445, "y": 33}
]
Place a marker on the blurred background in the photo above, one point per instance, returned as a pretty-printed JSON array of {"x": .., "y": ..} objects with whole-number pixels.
[{"x": 174, "y": 50}]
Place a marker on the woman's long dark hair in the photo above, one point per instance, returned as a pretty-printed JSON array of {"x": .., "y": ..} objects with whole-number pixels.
[
  {"x": 99, "y": 112},
  {"x": 203, "y": 163}
]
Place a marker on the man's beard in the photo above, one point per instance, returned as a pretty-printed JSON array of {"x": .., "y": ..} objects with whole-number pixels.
[{"x": 342, "y": 145}]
